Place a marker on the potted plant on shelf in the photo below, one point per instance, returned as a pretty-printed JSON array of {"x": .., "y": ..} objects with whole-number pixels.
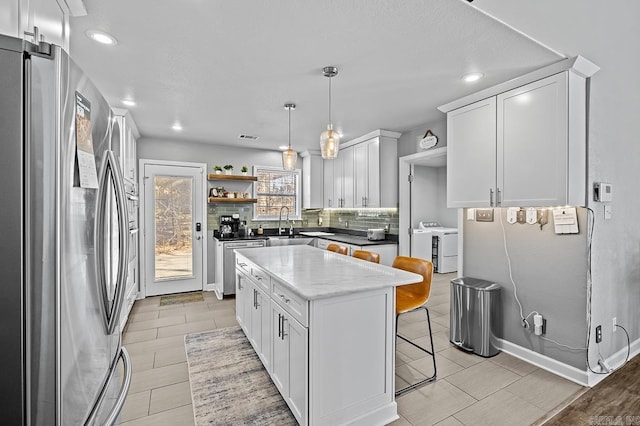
[
  {"x": 217, "y": 169},
  {"x": 244, "y": 170},
  {"x": 228, "y": 169}
]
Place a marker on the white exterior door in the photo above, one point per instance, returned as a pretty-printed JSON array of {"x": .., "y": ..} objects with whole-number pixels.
[{"x": 173, "y": 227}]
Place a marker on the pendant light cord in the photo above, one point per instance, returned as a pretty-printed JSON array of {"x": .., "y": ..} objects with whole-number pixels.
[
  {"x": 289, "y": 128},
  {"x": 330, "y": 102}
]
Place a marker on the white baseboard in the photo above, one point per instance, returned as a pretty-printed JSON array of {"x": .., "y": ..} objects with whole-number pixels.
[
  {"x": 209, "y": 287},
  {"x": 576, "y": 375},
  {"x": 556, "y": 367}
]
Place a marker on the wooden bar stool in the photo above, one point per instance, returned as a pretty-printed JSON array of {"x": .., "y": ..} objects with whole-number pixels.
[
  {"x": 366, "y": 255},
  {"x": 412, "y": 297},
  {"x": 337, "y": 248}
]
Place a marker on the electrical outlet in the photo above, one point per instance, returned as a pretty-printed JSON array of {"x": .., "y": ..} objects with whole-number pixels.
[
  {"x": 522, "y": 216},
  {"x": 615, "y": 324},
  {"x": 599, "y": 334},
  {"x": 484, "y": 215},
  {"x": 532, "y": 216}
]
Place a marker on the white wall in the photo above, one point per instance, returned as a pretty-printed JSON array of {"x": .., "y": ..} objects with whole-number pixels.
[
  {"x": 429, "y": 197},
  {"x": 179, "y": 150},
  {"x": 408, "y": 142},
  {"x": 606, "y": 33}
]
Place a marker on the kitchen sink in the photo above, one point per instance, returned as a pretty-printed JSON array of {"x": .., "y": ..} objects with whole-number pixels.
[{"x": 285, "y": 240}]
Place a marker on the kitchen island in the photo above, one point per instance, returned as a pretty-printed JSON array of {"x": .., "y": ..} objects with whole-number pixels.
[{"x": 323, "y": 326}]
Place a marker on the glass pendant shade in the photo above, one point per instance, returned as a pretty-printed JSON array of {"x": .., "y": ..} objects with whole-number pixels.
[
  {"x": 329, "y": 143},
  {"x": 329, "y": 139},
  {"x": 289, "y": 159}
]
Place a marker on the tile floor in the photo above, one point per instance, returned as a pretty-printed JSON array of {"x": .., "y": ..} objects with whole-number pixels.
[{"x": 470, "y": 390}]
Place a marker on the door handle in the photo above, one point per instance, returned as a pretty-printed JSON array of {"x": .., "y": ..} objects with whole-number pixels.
[
  {"x": 110, "y": 168},
  {"x": 198, "y": 237},
  {"x": 117, "y": 407}
]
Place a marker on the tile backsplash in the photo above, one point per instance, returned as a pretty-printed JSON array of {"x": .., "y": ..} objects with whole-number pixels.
[{"x": 353, "y": 219}]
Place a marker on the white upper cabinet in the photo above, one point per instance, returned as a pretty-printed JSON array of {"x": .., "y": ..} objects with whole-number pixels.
[
  {"x": 50, "y": 16},
  {"x": 329, "y": 200},
  {"x": 525, "y": 146},
  {"x": 124, "y": 144},
  {"x": 532, "y": 142},
  {"x": 365, "y": 174},
  {"x": 312, "y": 180},
  {"x": 471, "y": 155}
]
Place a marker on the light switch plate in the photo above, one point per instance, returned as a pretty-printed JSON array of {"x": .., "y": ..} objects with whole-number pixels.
[
  {"x": 471, "y": 214},
  {"x": 484, "y": 215}
]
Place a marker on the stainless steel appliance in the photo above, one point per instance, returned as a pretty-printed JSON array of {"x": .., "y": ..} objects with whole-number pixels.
[
  {"x": 375, "y": 234},
  {"x": 64, "y": 251},
  {"x": 229, "y": 261}
]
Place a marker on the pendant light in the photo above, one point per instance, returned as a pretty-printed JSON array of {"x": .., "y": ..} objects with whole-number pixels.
[
  {"x": 289, "y": 157},
  {"x": 329, "y": 139}
]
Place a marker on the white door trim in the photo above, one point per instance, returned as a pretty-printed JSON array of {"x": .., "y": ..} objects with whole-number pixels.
[{"x": 141, "y": 222}]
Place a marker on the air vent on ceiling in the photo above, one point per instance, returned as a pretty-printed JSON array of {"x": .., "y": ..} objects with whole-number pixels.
[{"x": 248, "y": 137}]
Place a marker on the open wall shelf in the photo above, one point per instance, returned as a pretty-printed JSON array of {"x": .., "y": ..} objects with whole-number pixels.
[{"x": 214, "y": 176}]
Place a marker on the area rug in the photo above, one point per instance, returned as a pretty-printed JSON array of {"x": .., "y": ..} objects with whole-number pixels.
[
  {"x": 229, "y": 385},
  {"x": 174, "y": 299}
]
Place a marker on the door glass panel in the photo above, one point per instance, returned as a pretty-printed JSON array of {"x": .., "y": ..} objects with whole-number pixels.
[{"x": 173, "y": 227}]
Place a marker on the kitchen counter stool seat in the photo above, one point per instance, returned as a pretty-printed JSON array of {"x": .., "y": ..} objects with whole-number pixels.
[
  {"x": 367, "y": 255},
  {"x": 337, "y": 248},
  {"x": 410, "y": 298}
]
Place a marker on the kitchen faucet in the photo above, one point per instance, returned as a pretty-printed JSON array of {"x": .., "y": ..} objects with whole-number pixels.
[{"x": 280, "y": 219}]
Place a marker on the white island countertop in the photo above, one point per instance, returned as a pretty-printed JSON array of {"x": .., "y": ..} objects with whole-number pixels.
[{"x": 314, "y": 273}]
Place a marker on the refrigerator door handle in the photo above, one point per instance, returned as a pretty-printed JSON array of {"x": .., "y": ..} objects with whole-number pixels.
[
  {"x": 111, "y": 313},
  {"x": 124, "y": 389}
]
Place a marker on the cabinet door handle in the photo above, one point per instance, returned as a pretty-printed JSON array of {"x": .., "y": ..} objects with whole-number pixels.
[
  {"x": 491, "y": 197},
  {"x": 329, "y": 202},
  {"x": 283, "y": 332},
  {"x": 254, "y": 298},
  {"x": 284, "y": 298},
  {"x": 279, "y": 325},
  {"x": 498, "y": 197}
]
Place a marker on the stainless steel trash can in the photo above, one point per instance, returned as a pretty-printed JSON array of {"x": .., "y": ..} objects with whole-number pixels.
[{"x": 476, "y": 320}]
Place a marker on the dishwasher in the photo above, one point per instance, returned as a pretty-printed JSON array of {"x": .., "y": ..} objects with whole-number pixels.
[{"x": 229, "y": 262}]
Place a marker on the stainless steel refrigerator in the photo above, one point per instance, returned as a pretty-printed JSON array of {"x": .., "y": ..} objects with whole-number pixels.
[{"x": 64, "y": 244}]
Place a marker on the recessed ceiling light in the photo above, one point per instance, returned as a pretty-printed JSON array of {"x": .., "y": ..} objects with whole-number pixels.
[
  {"x": 102, "y": 37},
  {"x": 129, "y": 102},
  {"x": 177, "y": 127},
  {"x": 471, "y": 77}
]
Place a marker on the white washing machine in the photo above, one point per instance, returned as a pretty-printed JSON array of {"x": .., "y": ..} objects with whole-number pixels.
[{"x": 436, "y": 243}]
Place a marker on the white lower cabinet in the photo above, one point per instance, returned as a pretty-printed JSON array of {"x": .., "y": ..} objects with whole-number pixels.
[
  {"x": 331, "y": 366},
  {"x": 253, "y": 312},
  {"x": 290, "y": 355}
]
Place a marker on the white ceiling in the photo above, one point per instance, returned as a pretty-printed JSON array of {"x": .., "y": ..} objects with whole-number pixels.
[{"x": 224, "y": 68}]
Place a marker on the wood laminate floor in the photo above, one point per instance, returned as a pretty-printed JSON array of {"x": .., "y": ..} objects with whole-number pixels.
[
  {"x": 470, "y": 390},
  {"x": 614, "y": 401}
]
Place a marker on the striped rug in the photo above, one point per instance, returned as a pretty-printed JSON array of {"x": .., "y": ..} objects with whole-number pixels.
[{"x": 229, "y": 385}]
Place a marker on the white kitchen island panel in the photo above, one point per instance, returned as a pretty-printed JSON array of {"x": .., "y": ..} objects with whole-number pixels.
[{"x": 332, "y": 331}]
